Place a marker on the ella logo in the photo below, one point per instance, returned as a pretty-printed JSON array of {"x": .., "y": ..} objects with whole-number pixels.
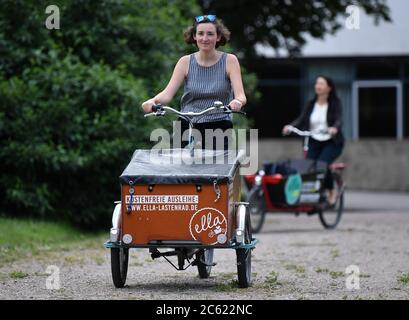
[{"x": 209, "y": 226}]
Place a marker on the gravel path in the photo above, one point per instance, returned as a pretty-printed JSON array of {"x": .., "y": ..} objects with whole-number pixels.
[{"x": 295, "y": 259}]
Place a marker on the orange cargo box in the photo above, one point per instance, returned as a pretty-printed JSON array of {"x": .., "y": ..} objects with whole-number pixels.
[{"x": 168, "y": 196}]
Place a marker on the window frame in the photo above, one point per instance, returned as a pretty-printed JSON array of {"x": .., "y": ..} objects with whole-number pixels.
[{"x": 358, "y": 84}]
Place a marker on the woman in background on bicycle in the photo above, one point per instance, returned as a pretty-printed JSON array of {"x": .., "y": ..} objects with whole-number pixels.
[
  {"x": 209, "y": 75},
  {"x": 323, "y": 115}
]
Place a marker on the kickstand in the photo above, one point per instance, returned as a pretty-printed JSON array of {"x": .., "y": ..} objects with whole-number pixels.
[{"x": 155, "y": 253}]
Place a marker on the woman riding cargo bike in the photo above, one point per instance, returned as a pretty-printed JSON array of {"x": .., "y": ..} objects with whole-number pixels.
[
  {"x": 209, "y": 75},
  {"x": 323, "y": 115},
  {"x": 311, "y": 185},
  {"x": 188, "y": 199}
]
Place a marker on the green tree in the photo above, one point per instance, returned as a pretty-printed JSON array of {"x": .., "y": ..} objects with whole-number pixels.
[{"x": 285, "y": 23}]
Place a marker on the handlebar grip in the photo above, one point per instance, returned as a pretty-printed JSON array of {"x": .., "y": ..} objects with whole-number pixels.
[
  {"x": 232, "y": 111},
  {"x": 156, "y": 107}
]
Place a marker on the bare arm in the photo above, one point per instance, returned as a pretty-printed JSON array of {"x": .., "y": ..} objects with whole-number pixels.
[
  {"x": 165, "y": 96},
  {"x": 234, "y": 73}
]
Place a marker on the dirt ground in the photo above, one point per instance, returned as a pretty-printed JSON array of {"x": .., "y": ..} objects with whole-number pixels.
[{"x": 294, "y": 259}]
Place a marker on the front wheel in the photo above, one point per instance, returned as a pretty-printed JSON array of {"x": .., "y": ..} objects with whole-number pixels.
[
  {"x": 204, "y": 260},
  {"x": 331, "y": 216},
  {"x": 244, "y": 258},
  {"x": 257, "y": 208},
  {"x": 119, "y": 266}
]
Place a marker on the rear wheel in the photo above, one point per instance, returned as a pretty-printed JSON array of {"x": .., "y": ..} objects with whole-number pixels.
[
  {"x": 119, "y": 266},
  {"x": 204, "y": 262},
  {"x": 257, "y": 208},
  {"x": 331, "y": 216},
  {"x": 244, "y": 258}
]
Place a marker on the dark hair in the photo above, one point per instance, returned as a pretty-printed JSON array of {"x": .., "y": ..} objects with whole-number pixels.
[
  {"x": 333, "y": 96},
  {"x": 221, "y": 29}
]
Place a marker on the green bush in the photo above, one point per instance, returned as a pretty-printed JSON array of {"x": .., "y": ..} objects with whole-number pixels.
[{"x": 67, "y": 130}]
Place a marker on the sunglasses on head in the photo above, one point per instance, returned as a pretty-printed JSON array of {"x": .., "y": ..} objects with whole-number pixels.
[{"x": 209, "y": 17}]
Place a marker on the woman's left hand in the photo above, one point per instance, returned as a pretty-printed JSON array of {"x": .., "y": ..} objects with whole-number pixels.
[
  {"x": 332, "y": 131},
  {"x": 235, "y": 105}
]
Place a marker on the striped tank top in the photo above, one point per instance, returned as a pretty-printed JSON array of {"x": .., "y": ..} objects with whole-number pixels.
[{"x": 204, "y": 86}]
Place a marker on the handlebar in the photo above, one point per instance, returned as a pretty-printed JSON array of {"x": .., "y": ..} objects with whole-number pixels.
[
  {"x": 305, "y": 133},
  {"x": 159, "y": 110}
]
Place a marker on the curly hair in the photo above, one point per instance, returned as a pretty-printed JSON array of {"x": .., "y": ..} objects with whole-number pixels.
[{"x": 221, "y": 29}]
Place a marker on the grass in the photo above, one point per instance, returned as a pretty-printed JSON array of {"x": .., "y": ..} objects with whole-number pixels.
[
  {"x": 227, "y": 275},
  {"x": 295, "y": 268},
  {"x": 18, "y": 274},
  {"x": 336, "y": 274},
  {"x": 333, "y": 274},
  {"x": 231, "y": 286},
  {"x": 73, "y": 260},
  {"x": 21, "y": 238},
  {"x": 335, "y": 253},
  {"x": 404, "y": 278},
  {"x": 271, "y": 281}
]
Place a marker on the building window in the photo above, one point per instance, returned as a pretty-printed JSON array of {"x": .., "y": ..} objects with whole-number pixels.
[
  {"x": 377, "y": 112},
  {"x": 377, "y": 109}
]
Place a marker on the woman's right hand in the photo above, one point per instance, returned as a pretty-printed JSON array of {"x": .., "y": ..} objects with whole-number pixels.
[
  {"x": 286, "y": 129},
  {"x": 147, "y": 105}
]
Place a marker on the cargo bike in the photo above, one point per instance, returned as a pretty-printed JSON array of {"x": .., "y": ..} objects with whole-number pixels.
[
  {"x": 183, "y": 203},
  {"x": 295, "y": 186}
]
